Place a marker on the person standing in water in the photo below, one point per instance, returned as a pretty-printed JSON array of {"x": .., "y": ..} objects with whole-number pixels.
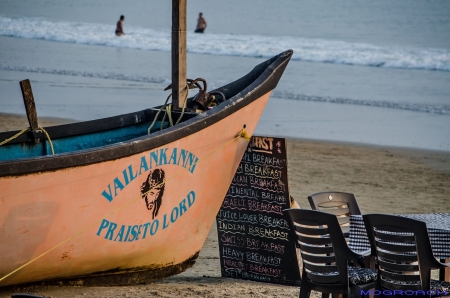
[
  {"x": 119, "y": 28},
  {"x": 201, "y": 24}
]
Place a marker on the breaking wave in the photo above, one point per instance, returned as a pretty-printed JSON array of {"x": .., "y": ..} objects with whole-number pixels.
[
  {"x": 305, "y": 49},
  {"x": 419, "y": 107}
]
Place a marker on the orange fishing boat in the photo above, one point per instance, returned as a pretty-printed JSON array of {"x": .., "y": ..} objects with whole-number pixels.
[{"x": 129, "y": 198}]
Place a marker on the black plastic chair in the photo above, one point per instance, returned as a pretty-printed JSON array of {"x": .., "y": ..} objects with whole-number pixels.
[
  {"x": 341, "y": 204},
  {"x": 404, "y": 255},
  {"x": 325, "y": 256}
]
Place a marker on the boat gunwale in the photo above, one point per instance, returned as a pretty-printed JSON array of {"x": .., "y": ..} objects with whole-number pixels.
[
  {"x": 265, "y": 82},
  {"x": 92, "y": 126}
]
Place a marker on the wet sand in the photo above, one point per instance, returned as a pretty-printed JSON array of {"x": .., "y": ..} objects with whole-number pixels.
[{"x": 384, "y": 180}]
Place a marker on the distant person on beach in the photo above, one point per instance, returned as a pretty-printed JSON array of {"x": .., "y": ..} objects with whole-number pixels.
[
  {"x": 119, "y": 28},
  {"x": 201, "y": 24}
]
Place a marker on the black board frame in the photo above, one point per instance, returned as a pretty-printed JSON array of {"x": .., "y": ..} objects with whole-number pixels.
[{"x": 255, "y": 241}]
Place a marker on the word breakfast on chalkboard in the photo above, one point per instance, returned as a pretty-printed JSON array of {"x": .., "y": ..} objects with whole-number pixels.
[{"x": 255, "y": 240}]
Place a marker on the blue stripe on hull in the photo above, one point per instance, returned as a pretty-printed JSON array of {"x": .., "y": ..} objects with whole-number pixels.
[{"x": 75, "y": 143}]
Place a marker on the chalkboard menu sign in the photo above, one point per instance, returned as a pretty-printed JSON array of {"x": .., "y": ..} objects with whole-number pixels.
[{"x": 255, "y": 240}]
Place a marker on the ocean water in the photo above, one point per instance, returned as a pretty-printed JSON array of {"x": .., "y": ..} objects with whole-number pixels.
[{"x": 372, "y": 73}]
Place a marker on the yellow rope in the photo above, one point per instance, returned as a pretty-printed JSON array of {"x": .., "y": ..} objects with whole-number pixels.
[
  {"x": 14, "y": 136},
  {"x": 26, "y": 129},
  {"x": 184, "y": 106},
  {"x": 164, "y": 118},
  {"x": 242, "y": 134},
  {"x": 156, "y": 117},
  {"x": 48, "y": 138},
  {"x": 169, "y": 111}
]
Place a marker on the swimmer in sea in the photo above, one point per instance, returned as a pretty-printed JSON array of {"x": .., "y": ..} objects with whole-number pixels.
[
  {"x": 119, "y": 28},
  {"x": 201, "y": 24}
]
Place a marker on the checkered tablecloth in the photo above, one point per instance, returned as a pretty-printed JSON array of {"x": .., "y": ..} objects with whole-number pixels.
[{"x": 438, "y": 225}]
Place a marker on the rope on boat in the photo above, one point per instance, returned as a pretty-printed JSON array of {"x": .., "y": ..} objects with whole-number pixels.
[
  {"x": 168, "y": 112},
  {"x": 14, "y": 136},
  {"x": 184, "y": 107},
  {"x": 49, "y": 140},
  {"x": 26, "y": 129},
  {"x": 242, "y": 134},
  {"x": 159, "y": 111}
]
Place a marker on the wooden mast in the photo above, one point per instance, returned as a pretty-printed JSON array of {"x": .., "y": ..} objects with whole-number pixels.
[
  {"x": 179, "y": 90},
  {"x": 30, "y": 107}
]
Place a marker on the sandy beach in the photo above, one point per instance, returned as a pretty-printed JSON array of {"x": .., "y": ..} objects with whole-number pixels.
[
  {"x": 364, "y": 103},
  {"x": 384, "y": 180}
]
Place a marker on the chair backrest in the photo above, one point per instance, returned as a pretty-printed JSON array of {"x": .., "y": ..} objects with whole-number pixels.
[
  {"x": 403, "y": 250},
  {"x": 341, "y": 204},
  {"x": 323, "y": 247}
]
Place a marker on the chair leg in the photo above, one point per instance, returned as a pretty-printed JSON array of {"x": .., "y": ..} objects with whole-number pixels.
[
  {"x": 304, "y": 293},
  {"x": 305, "y": 289}
]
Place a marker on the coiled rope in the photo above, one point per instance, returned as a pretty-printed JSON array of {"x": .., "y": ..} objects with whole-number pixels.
[{"x": 168, "y": 111}]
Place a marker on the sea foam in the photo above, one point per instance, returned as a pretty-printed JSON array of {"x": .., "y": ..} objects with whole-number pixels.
[{"x": 305, "y": 49}]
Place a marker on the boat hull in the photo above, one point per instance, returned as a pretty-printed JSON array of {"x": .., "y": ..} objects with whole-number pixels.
[
  {"x": 129, "y": 212},
  {"x": 41, "y": 210}
]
